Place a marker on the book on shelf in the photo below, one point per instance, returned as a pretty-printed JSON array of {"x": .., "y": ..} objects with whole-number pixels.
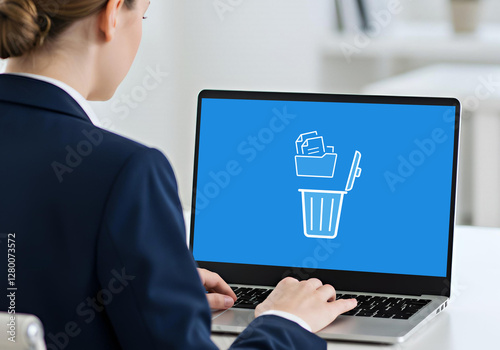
[{"x": 356, "y": 15}]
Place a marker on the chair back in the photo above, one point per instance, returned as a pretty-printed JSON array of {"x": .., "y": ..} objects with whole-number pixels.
[{"x": 21, "y": 332}]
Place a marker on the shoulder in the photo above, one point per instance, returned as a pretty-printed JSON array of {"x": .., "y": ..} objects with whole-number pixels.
[
  {"x": 106, "y": 143},
  {"x": 131, "y": 153},
  {"x": 97, "y": 156}
]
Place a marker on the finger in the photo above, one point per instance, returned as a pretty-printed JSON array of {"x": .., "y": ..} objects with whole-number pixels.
[
  {"x": 342, "y": 305},
  {"x": 287, "y": 281},
  {"x": 314, "y": 283},
  {"x": 219, "y": 301},
  {"x": 214, "y": 283},
  {"x": 202, "y": 273},
  {"x": 327, "y": 292},
  {"x": 283, "y": 285}
]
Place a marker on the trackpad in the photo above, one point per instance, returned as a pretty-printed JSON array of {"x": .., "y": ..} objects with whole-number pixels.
[{"x": 234, "y": 318}]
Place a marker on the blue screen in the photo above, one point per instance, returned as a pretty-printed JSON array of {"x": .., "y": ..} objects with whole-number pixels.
[{"x": 325, "y": 185}]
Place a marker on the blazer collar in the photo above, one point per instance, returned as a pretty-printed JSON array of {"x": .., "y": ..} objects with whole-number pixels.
[{"x": 39, "y": 94}]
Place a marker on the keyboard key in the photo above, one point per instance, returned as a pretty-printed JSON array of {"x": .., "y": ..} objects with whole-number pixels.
[
  {"x": 347, "y": 296},
  {"x": 245, "y": 306}
]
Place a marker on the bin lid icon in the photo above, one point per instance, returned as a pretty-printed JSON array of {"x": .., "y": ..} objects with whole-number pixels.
[{"x": 355, "y": 171}]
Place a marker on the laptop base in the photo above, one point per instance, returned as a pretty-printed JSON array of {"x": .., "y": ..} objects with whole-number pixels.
[{"x": 347, "y": 328}]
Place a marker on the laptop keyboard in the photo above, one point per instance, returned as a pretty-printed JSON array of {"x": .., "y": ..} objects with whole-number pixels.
[
  {"x": 384, "y": 307},
  {"x": 249, "y": 298},
  {"x": 368, "y": 305}
]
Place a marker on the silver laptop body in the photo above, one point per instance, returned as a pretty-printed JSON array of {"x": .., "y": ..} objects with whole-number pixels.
[{"x": 432, "y": 286}]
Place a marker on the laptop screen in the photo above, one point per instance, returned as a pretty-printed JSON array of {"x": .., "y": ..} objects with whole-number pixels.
[{"x": 336, "y": 185}]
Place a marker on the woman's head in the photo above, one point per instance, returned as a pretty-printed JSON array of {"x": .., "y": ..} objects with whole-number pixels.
[{"x": 33, "y": 28}]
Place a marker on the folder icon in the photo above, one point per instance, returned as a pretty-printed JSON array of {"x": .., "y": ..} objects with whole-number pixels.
[
  {"x": 312, "y": 159},
  {"x": 316, "y": 166}
]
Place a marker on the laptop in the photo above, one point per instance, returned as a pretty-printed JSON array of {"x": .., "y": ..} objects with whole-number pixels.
[{"x": 358, "y": 191}]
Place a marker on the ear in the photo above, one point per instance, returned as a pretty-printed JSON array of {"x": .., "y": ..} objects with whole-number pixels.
[{"x": 108, "y": 18}]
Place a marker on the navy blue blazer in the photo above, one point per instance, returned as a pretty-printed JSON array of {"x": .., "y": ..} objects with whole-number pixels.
[{"x": 99, "y": 238}]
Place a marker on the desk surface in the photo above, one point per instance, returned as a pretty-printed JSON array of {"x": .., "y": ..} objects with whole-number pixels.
[{"x": 473, "y": 317}]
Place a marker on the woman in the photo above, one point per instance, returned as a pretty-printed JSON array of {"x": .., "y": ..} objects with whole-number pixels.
[{"x": 97, "y": 224}]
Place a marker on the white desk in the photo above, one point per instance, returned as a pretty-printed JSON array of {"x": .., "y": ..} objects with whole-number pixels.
[{"x": 472, "y": 320}]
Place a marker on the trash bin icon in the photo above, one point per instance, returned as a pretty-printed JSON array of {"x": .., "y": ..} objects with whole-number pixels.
[
  {"x": 321, "y": 212},
  {"x": 321, "y": 209}
]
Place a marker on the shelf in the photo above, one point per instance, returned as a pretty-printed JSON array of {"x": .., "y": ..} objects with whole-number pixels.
[{"x": 425, "y": 41}]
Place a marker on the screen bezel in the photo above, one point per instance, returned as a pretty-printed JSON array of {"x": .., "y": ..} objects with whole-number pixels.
[{"x": 265, "y": 275}]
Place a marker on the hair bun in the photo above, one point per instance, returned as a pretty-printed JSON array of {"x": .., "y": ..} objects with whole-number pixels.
[{"x": 21, "y": 27}]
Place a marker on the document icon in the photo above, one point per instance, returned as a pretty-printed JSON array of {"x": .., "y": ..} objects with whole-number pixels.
[
  {"x": 314, "y": 145},
  {"x": 302, "y": 138}
]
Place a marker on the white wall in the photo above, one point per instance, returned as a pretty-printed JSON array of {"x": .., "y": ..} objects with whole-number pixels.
[
  {"x": 254, "y": 45},
  {"x": 145, "y": 106},
  {"x": 439, "y": 10}
]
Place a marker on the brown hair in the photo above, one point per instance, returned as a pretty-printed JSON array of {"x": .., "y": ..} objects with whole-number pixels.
[{"x": 26, "y": 24}]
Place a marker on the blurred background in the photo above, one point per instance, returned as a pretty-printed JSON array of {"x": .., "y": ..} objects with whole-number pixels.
[{"x": 403, "y": 47}]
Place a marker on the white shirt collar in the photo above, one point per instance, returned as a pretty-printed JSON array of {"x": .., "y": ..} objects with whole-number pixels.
[{"x": 84, "y": 104}]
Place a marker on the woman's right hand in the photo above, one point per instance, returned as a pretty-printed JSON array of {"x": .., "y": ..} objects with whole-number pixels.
[{"x": 311, "y": 300}]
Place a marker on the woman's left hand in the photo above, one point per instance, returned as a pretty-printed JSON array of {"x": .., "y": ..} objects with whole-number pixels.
[{"x": 220, "y": 296}]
